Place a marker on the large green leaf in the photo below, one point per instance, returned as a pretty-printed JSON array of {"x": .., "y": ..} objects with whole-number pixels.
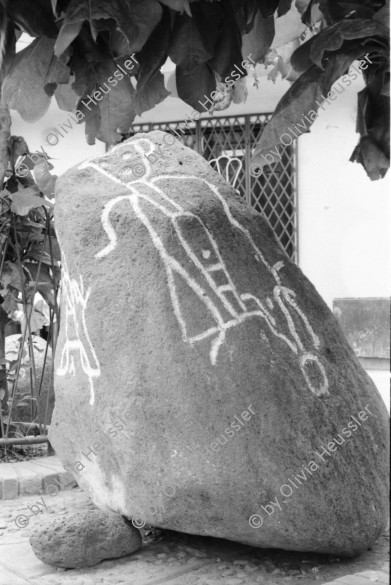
[
  {"x": 154, "y": 53},
  {"x": 43, "y": 178},
  {"x": 299, "y": 106},
  {"x": 195, "y": 87},
  {"x": 336, "y": 10},
  {"x": 23, "y": 87},
  {"x": 228, "y": 48},
  {"x": 283, "y": 7},
  {"x": 58, "y": 70},
  {"x": 25, "y": 200},
  {"x": 178, "y": 5},
  {"x": 66, "y": 97},
  {"x": 333, "y": 37},
  {"x": 109, "y": 107},
  {"x": 383, "y": 15},
  {"x": 258, "y": 41},
  {"x": 11, "y": 276},
  {"x": 35, "y": 18},
  {"x": 9, "y": 46},
  {"x": 371, "y": 157},
  {"x": 267, "y": 7},
  {"x": 151, "y": 94},
  {"x": 135, "y": 19},
  {"x": 117, "y": 110},
  {"x": 190, "y": 46},
  {"x": 373, "y": 116}
]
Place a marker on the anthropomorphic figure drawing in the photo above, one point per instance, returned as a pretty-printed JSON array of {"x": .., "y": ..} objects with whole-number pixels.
[{"x": 226, "y": 305}]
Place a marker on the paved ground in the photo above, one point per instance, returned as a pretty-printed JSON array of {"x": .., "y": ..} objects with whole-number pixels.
[
  {"x": 173, "y": 558},
  {"x": 41, "y": 475}
]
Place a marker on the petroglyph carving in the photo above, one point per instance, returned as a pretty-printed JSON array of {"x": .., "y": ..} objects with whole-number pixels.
[
  {"x": 77, "y": 341},
  {"x": 145, "y": 197}
]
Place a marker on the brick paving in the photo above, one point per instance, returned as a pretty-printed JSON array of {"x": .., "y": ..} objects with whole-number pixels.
[{"x": 33, "y": 477}]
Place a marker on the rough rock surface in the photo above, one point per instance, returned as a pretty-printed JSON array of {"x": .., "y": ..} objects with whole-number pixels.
[
  {"x": 202, "y": 385},
  {"x": 83, "y": 539}
]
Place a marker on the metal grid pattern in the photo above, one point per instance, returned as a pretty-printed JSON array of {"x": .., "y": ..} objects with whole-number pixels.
[{"x": 273, "y": 194}]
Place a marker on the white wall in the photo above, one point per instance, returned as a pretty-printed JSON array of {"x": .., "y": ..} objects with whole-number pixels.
[
  {"x": 70, "y": 149},
  {"x": 344, "y": 218}
]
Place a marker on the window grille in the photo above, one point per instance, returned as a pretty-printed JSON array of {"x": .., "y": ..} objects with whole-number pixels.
[{"x": 273, "y": 193}]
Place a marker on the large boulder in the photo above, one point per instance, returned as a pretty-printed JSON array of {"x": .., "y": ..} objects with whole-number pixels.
[{"x": 202, "y": 384}]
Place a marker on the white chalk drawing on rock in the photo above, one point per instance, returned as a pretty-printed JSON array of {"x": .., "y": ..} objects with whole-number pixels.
[
  {"x": 77, "y": 340},
  {"x": 145, "y": 195}
]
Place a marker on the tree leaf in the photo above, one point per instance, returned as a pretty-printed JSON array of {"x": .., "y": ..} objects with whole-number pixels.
[
  {"x": 9, "y": 45},
  {"x": 154, "y": 53},
  {"x": 298, "y": 104},
  {"x": 10, "y": 305},
  {"x": 193, "y": 87},
  {"x": 116, "y": 106},
  {"x": 151, "y": 94},
  {"x": 76, "y": 14},
  {"x": 267, "y": 8},
  {"x": 35, "y": 18},
  {"x": 44, "y": 179},
  {"x": 58, "y": 71},
  {"x": 189, "y": 45},
  {"x": 240, "y": 91},
  {"x": 383, "y": 15},
  {"x": 258, "y": 41},
  {"x": 25, "y": 200},
  {"x": 333, "y": 37},
  {"x": 12, "y": 276},
  {"x": 136, "y": 20},
  {"x": 59, "y": 6},
  {"x": 283, "y": 7},
  {"x": 91, "y": 118},
  {"x": 23, "y": 87},
  {"x": 178, "y": 5},
  {"x": 371, "y": 157},
  {"x": 66, "y": 97},
  {"x": 228, "y": 47},
  {"x": 302, "y": 5},
  {"x": 337, "y": 10}
]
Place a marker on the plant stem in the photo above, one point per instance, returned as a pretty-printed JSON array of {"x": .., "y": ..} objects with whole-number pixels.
[{"x": 5, "y": 134}]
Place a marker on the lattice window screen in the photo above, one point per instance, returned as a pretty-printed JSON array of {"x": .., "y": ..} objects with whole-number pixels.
[{"x": 273, "y": 194}]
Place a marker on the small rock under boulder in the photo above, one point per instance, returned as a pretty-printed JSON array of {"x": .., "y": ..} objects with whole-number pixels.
[{"x": 84, "y": 539}]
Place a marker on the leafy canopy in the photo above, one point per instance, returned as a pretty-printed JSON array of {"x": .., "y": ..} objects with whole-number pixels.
[{"x": 78, "y": 45}]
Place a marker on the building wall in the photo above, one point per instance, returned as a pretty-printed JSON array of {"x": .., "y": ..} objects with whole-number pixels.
[
  {"x": 344, "y": 217},
  {"x": 70, "y": 149}
]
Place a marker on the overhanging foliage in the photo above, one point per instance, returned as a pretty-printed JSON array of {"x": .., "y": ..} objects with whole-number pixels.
[{"x": 79, "y": 44}]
